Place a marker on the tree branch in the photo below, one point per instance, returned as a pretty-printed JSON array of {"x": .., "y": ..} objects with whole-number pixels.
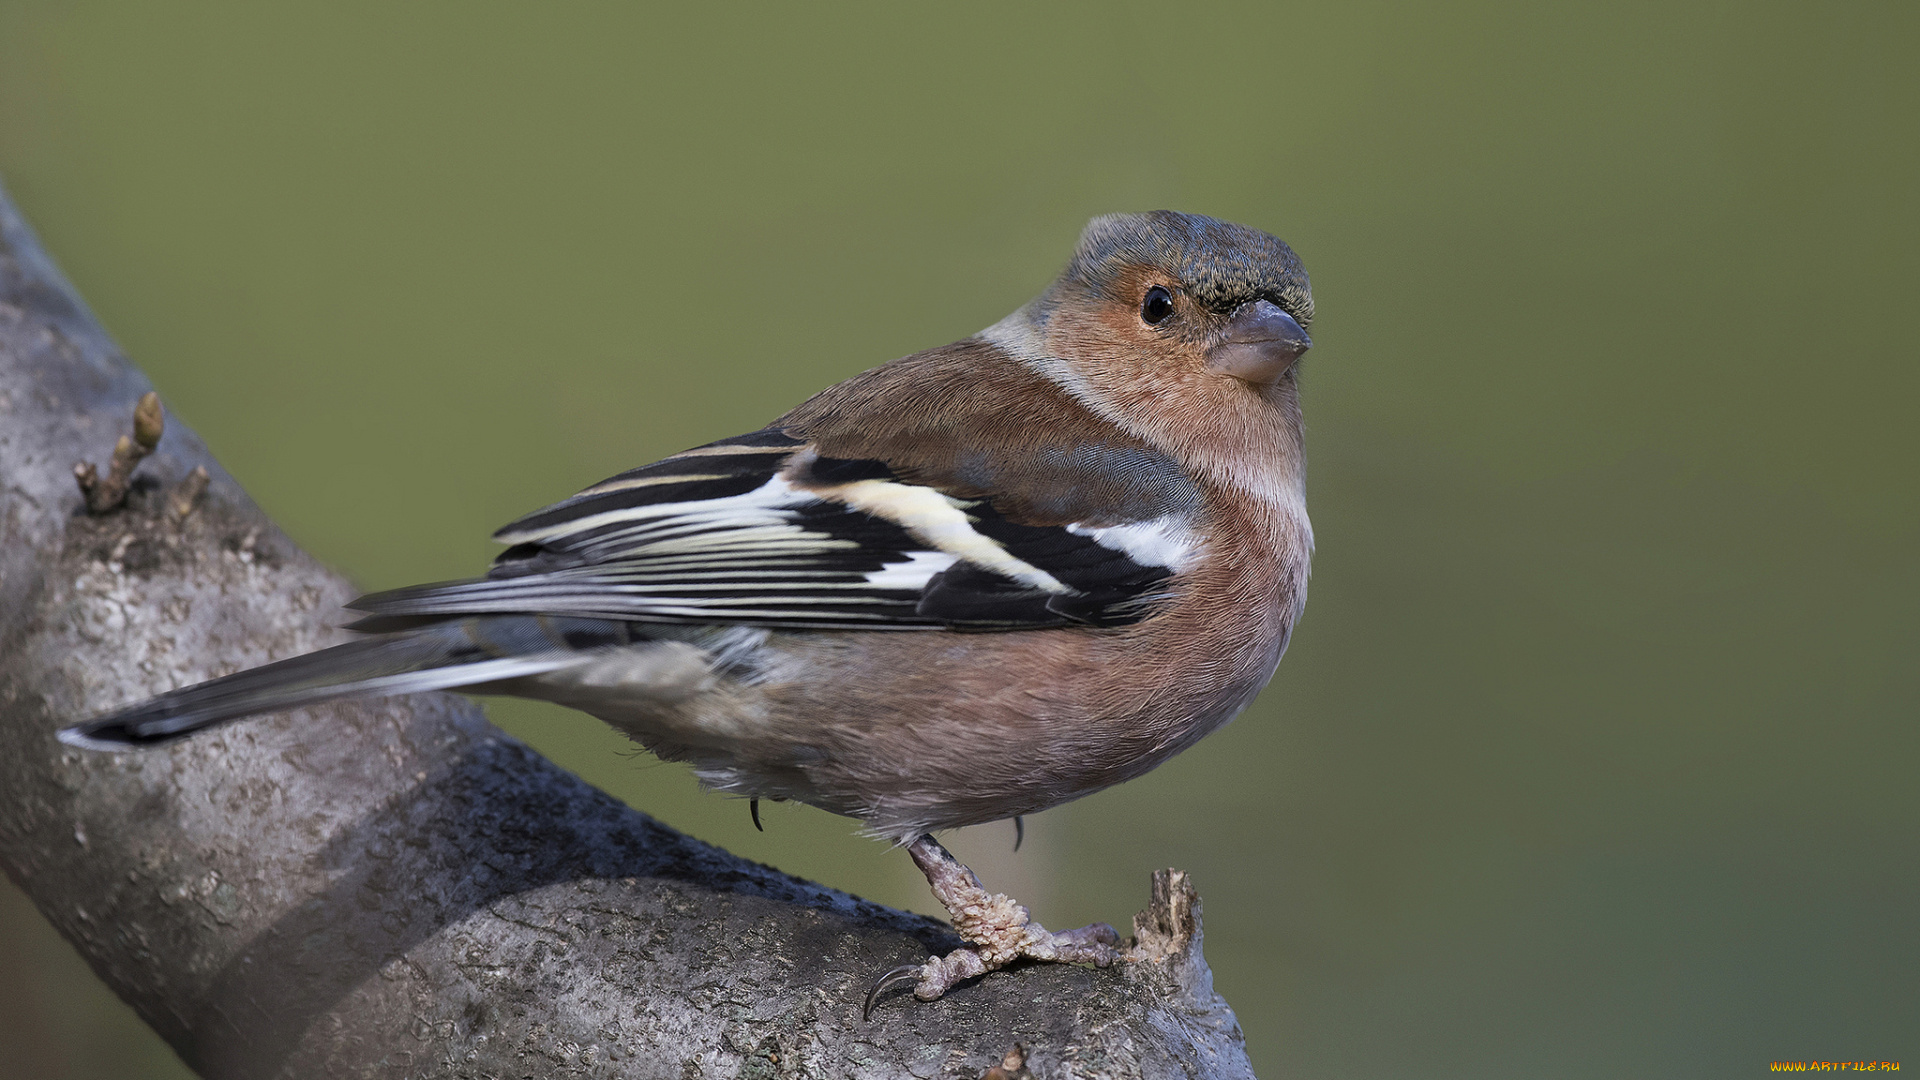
[{"x": 395, "y": 887}]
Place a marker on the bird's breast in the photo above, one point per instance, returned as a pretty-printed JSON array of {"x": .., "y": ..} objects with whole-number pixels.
[
  {"x": 924, "y": 730},
  {"x": 921, "y": 730}
]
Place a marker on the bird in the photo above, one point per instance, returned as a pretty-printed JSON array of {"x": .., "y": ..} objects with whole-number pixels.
[{"x": 967, "y": 585}]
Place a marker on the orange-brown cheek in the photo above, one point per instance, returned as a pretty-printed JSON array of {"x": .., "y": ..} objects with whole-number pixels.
[{"x": 1126, "y": 361}]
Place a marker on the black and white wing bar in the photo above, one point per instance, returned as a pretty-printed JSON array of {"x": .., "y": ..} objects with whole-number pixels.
[{"x": 740, "y": 532}]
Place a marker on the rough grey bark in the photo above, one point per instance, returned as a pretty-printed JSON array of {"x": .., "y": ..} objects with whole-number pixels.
[{"x": 395, "y": 888}]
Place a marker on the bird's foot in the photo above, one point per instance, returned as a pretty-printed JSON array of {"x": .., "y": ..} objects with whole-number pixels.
[{"x": 997, "y": 929}]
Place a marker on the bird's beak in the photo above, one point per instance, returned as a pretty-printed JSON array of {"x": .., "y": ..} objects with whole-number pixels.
[{"x": 1262, "y": 344}]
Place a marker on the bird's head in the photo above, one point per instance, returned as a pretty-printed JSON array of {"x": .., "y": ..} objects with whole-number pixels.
[
  {"x": 1232, "y": 299},
  {"x": 1184, "y": 329},
  {"x": 1171, "y": 294}
]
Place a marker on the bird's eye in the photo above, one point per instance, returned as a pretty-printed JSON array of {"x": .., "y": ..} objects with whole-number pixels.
[{"x": 1157, "y": 306}]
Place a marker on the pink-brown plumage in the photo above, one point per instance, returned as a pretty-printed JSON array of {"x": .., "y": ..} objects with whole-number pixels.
[
  {"x": 967, "y": 585},
  {"x": 913, "y": 733}
]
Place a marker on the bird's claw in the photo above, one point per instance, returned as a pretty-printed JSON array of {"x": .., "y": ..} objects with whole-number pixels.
[
  {"x": 898, "y": 975},
  {"x": 997, "y": 930},
  {"x": 1097, "y": 945}
]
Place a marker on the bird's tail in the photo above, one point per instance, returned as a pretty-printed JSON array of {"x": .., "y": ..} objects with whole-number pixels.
[{"x": 437, "y": 656}]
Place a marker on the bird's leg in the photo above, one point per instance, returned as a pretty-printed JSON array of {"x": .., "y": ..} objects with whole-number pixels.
[{"x": 998, "y": 930}]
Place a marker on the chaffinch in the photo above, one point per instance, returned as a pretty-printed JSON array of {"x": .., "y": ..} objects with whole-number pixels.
[{"x": 967, "y": 585}]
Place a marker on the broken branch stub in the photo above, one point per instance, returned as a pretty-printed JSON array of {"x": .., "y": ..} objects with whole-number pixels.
[{"x": 106, "y": 493}]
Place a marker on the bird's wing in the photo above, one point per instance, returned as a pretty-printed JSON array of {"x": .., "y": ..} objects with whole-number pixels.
[
  {"x": 762, "y": 530},
  {"x": 954, "y": 488}
]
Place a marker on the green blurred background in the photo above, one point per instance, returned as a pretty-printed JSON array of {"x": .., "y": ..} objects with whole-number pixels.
[{"x": 1595, "y": 753}]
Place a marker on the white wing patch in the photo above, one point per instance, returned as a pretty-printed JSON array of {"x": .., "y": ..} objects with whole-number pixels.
[
  {"x": 912, "y": 574},
  {"x": 1166, "y": 541},
  {"x": 939, "y": 519},
  {"x": 763, "y": 506}
]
